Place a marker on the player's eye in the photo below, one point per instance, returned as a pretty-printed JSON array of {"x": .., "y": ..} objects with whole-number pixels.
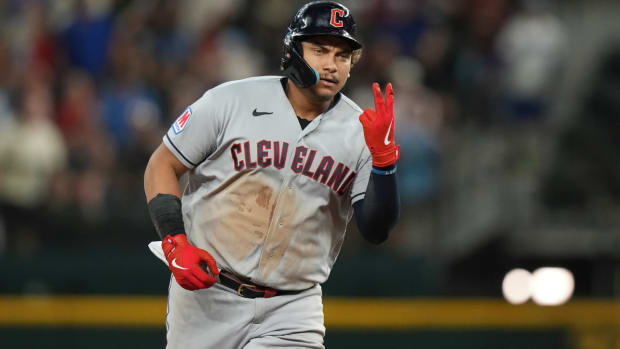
[{"x": 344, "y": 57}]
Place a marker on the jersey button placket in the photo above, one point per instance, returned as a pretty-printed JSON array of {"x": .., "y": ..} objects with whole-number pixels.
[
  {"x": 276, "y": 223},
  {"x": 290, "y": 188}
]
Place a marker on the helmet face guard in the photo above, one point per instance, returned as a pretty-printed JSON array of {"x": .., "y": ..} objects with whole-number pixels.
[{"x": 317, "y": 18}]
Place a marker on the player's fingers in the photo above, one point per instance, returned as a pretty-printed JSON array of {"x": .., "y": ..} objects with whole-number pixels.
[
  {"x": 389, "y": 97},
  {"x": 183, "y": 281},
  {"x": 205, "y": 257},
  {"x": 364, "y": 119},
  {"x": 188, "y": 286},
  {"x": 379, "y": 102},
  {"x": 194, "y": 280},
  {"x": 204, "y": 266},
  {"x": 199, "y": 273},
  {"x": 209, "y": 280},
  {"x": 367, "y": 117}
]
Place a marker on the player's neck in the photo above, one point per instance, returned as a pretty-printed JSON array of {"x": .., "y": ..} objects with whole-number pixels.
[{"x": 303, "y": 102}]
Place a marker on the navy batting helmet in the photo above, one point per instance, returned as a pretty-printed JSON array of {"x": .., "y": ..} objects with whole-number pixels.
[{"x": 314, "y": 19}]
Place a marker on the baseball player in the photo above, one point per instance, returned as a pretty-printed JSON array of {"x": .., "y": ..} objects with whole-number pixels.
[{"x": 277, "y": 166}]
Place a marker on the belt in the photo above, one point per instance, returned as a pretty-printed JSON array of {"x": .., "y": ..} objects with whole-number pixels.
[{"x": 248, "y": 290}]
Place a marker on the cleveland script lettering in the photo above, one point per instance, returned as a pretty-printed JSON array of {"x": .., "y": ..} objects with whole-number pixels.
[{"x": 274, "y": 154}]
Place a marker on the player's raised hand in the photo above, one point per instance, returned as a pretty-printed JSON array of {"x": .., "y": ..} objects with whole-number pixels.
[
  {"x": 185, "y": 260},
  {"x": 379, "y": 127}
]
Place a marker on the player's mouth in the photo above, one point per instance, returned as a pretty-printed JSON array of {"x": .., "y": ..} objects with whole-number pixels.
[{"x": 329, "y": 81}]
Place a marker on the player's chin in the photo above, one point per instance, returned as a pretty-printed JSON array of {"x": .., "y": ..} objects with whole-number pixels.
[{"x": 325, "y": 92}]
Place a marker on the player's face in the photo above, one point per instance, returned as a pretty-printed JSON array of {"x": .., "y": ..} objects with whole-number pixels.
[{"x": 331, "y": 58}]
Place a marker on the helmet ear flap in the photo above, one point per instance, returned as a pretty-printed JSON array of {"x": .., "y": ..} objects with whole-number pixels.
[{"x": 295, "y": 67}]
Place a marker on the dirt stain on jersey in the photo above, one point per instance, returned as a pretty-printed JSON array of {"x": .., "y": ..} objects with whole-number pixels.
[
  {"x": 238, "y": 218},
  {"x": 264, "y": 197},
  {"x": 273, "y": 208},
  {"x": 244, "y": 208},
  {"x": 279, "y": 239}
]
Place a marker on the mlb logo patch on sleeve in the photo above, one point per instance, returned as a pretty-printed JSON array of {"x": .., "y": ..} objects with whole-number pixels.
[{"x": 182, "y": 121}]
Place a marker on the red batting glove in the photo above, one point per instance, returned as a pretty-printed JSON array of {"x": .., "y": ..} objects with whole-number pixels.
[
  {"x": 379, "y": 128},
  {"x": 184, "y": 260}
]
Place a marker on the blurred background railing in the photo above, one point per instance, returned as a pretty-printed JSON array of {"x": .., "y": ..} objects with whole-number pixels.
[{"x": 508, "y": 114}]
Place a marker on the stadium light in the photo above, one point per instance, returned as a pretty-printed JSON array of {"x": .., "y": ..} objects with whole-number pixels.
[
  {"x": 546, "y": 286},
  {"x": 516, "y": 286},
  {"x": 551, "y": 286}
]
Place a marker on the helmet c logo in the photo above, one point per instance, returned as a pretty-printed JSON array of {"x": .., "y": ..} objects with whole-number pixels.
[{"x": 335, "y": 19}]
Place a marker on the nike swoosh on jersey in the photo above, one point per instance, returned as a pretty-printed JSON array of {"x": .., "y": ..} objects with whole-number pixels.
[
  {"x": 387, "y": 135},
  {"x": 174, "y": 264},
  {"x": 259, "y": 113}
]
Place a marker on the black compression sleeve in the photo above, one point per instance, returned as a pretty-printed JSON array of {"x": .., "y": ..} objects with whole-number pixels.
[
  {"x": 377, "y": 214},
  {"x": 165, "y": 210}
]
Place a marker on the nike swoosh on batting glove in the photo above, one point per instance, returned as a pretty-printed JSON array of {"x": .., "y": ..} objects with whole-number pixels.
[
  {"x": 185, "y": 261},
  {"x": 379, "y": 127}
]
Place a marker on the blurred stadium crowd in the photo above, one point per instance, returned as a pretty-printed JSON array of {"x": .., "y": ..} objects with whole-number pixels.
[{"x": 88, "y": 88}]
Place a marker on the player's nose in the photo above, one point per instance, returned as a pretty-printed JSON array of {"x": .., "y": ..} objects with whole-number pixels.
[{"x": 329, "y": 64}]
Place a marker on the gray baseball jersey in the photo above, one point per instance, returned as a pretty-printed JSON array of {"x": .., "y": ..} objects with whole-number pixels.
[{"x": 269, "y": 200}]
